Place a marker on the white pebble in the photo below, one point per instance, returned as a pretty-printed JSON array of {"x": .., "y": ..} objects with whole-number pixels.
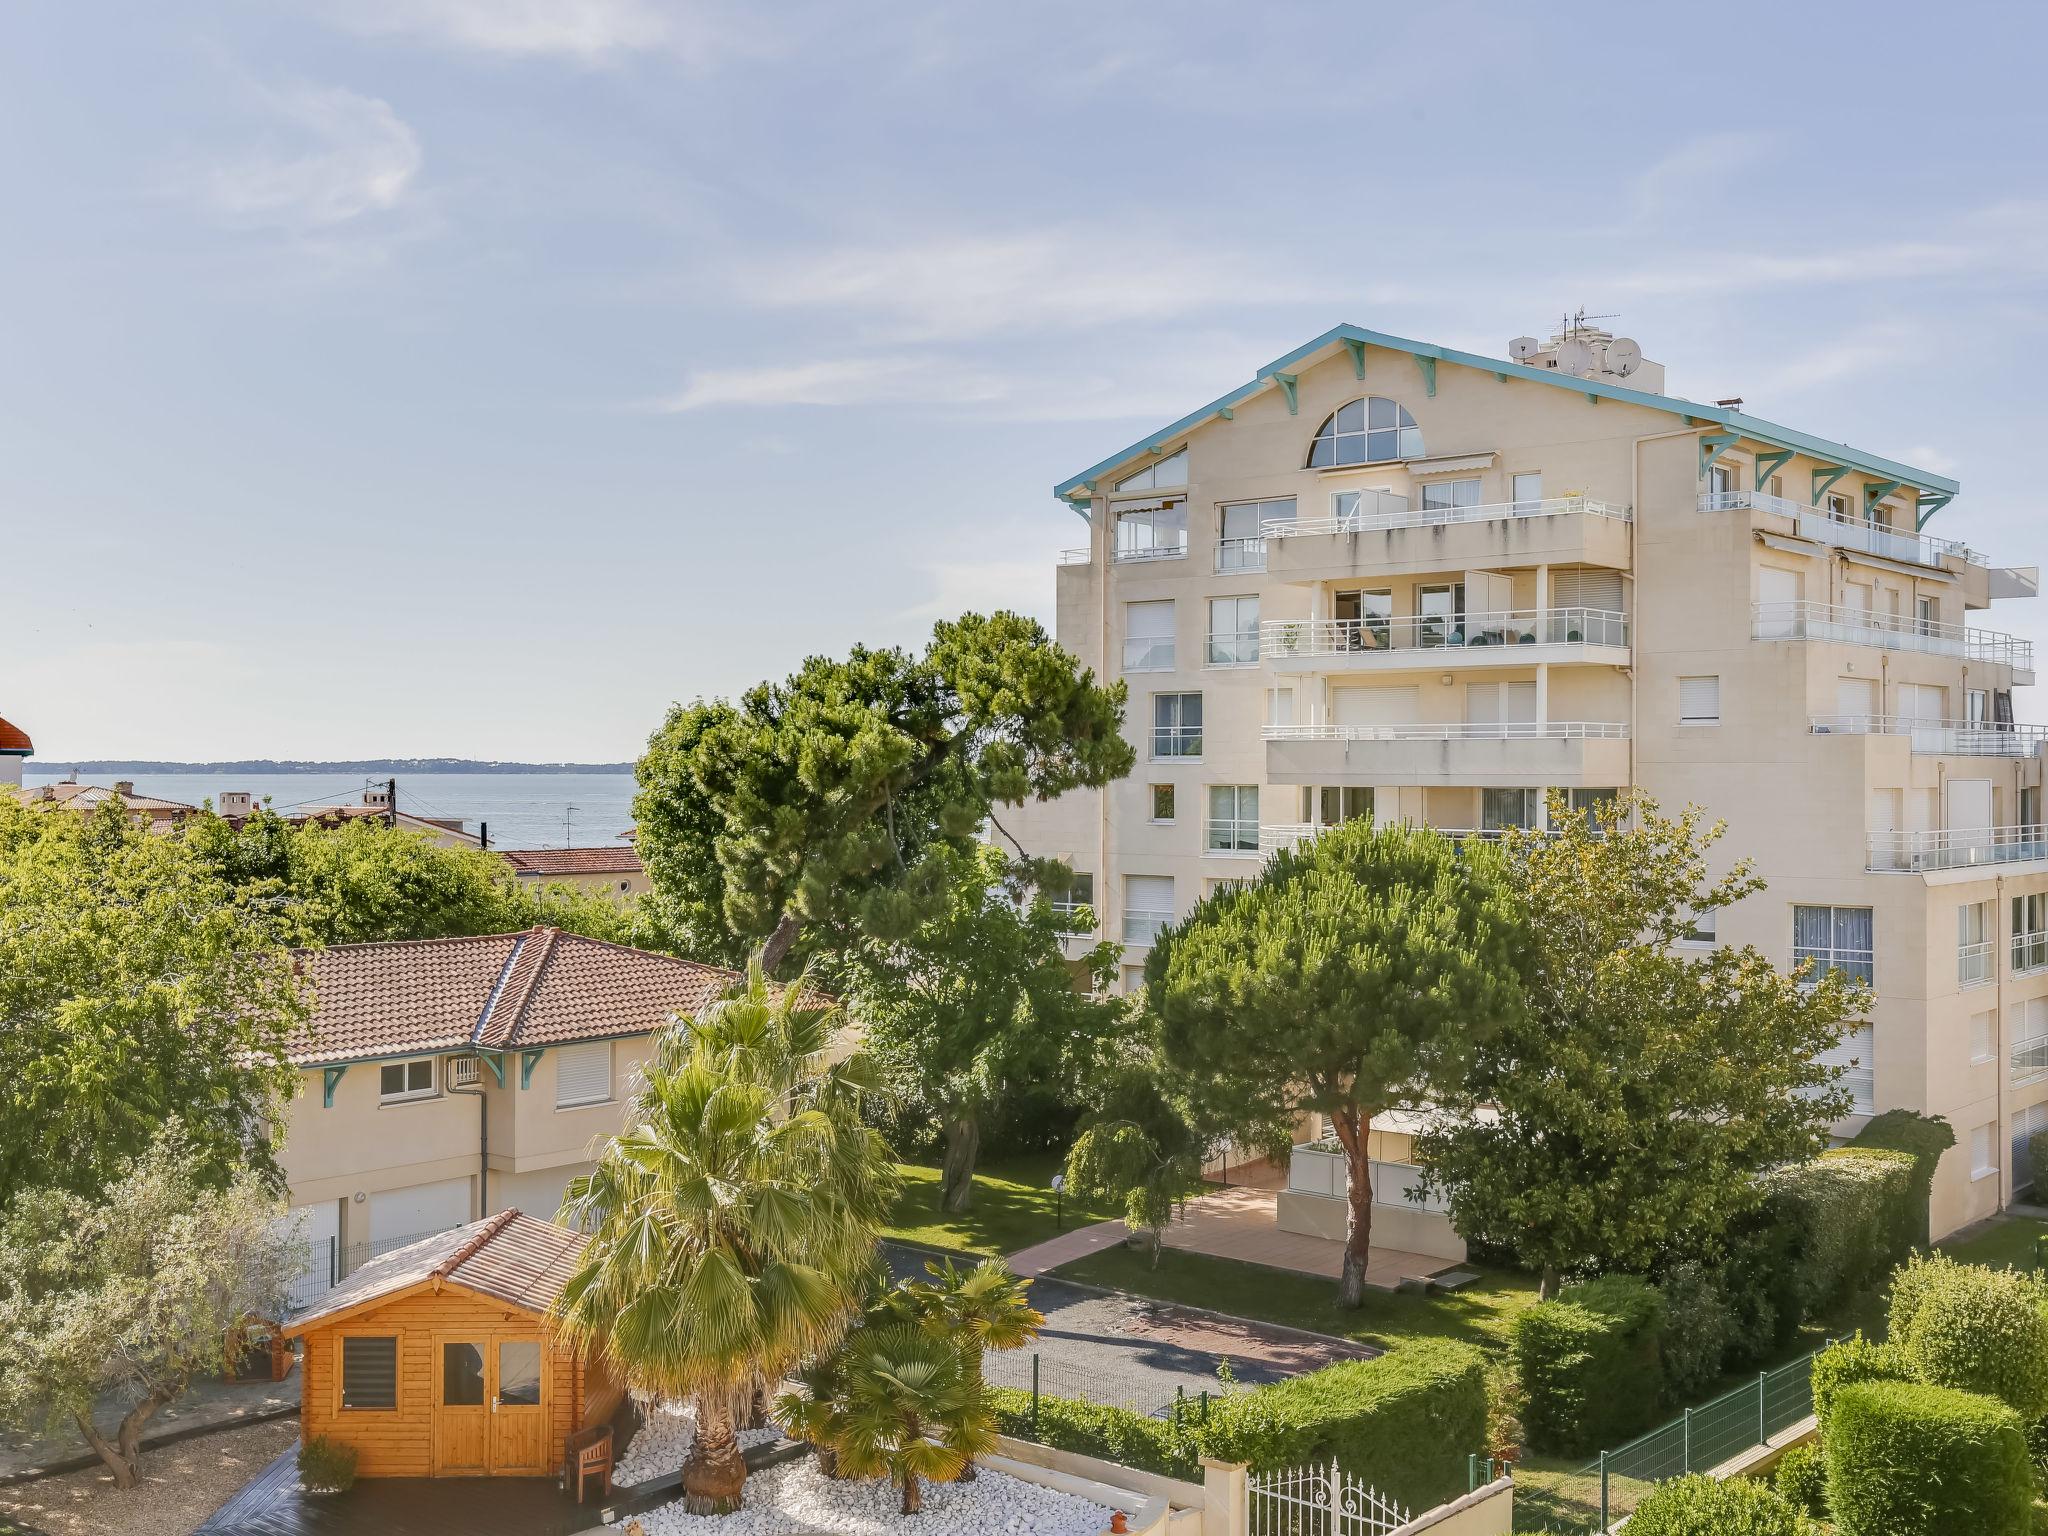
[{"x": 663, "y": 1442}]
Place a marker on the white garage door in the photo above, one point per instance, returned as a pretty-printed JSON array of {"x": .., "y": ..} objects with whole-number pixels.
[
  {"x": 421, "y": 1211},
  {"x": 317, "y": 1226},
  {"x": 1374, "y": 706}
]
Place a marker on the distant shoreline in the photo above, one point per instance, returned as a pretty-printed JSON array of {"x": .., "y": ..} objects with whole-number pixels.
[{"x": 384, "y": 765}]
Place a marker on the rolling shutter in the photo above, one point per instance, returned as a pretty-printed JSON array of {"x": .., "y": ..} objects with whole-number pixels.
[
  {"x": 1699, "y": 699},
  {"x": 1586, "y": 587},
  {"x": 369, "y": 1373},
  {"x": 583, "y": 1073}
]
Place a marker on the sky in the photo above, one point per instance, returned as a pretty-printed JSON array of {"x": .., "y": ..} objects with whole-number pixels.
[{"x": 481, "y": 377}]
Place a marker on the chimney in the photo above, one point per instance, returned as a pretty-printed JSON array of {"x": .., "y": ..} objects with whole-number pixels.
[{"x": 125, "y": 788}]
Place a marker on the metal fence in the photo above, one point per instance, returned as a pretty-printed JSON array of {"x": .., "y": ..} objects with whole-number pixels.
[
  {"x": 1318, "y": 1501},
  {"x": 1142, "y": 1392},
  {"x": 331, "y": 1261}
]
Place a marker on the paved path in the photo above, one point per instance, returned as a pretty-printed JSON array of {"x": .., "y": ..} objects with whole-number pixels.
[
  {"x": 1067, "y": 1247},
  {"x": 203, "y": 1405}
]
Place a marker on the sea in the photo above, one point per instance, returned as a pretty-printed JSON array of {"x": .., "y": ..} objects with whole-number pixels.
[{"x": 522, "y": 810}]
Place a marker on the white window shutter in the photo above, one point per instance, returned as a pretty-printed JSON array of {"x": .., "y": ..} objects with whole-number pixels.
[
  {"x": 583, "y": 1073},
  {"x": 1699, "y": 699}
]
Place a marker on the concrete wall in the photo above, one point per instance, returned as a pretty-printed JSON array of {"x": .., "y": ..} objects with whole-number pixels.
[{"x": 1488, "y": 1511}]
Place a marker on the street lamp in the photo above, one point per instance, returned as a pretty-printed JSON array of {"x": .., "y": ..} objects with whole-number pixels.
[{"x": 1059, "y": 1202}]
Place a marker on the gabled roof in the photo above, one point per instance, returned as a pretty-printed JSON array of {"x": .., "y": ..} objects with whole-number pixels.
[
  {"x": 90, "y": 797},
  {"x": 14, "y": 740},
  {"x": 543, "y": 862},
  {"x": 1327, "y": 345},
  {"x": 501, "y": 991},
  {"x": 509, "y": 1257}
]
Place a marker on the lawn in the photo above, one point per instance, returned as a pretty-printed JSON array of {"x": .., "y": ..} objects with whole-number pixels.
[
  {"x": 1013, "y": 1208},
  {"x": 2003, "y": 1242}
]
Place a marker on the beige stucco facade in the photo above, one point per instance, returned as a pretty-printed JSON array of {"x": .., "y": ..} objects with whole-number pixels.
[{"x": 1585, "y": 588}]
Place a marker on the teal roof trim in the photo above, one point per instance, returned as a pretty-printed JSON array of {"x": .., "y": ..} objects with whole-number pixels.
[{"x": 1594, "y": 389}]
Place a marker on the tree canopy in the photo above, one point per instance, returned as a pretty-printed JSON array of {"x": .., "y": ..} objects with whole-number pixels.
[
  {"x": 1358, "y": 973},
  {"x": 136, "y": 986},
  {"x": 1631, "y": 1104},
  {"x": 808, "y": 813}
]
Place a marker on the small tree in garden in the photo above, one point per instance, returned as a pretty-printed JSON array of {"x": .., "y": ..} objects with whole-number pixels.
[
  {"x": 1633, "y": 1102},
  {"x": 979, "y": 1309},
  {"x": 162, "y": 1279},
  {"x": 1139, "y": 1145},
  {"x": 1357, "y": 974},
  {"x": 908, "y": 1409}
]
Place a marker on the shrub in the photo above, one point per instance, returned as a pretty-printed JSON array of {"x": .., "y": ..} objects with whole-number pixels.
[
  {"x": 1802, "y": 1479},
  {"x": 1761, "y": 1285},
  {"x": 1925, "y": 1138},
  {"x": 1851, "y": 1361},
  {"x": 1589, "y": 1366},
  {"x": 1908, "y": 1459},
  {"x": 1091, "y": 1429},
  {"x": 1978, "y": 1330},
  {"x": 1700, "y": 1506},
  {"x": 327, "y": 1466},
  {"x": 1699, "y": 1329},
  {"x": 1850, "y": 1214},
  {"x": 1405, "y": 1422}
]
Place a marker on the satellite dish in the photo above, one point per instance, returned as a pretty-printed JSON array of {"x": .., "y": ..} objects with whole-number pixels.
[
  {"x": 1575, "y": 358},
  {"x": 1522, "y": 348},
  {"x": 1624, "y": 357}
]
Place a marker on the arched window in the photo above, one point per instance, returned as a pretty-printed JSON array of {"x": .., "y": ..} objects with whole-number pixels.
[{"x": 1375, "y": 430}]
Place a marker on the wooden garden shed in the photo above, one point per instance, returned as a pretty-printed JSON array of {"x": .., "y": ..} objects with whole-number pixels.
[{"x": 438, "y": 1360}]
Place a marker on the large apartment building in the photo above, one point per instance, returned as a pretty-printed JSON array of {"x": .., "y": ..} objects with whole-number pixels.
[{"x": 1393, "y": 580}]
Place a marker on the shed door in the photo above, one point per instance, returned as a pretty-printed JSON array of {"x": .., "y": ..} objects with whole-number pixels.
[
  {"x": 461, "y": 1410},
  {"x": 519, "y": 1430}
]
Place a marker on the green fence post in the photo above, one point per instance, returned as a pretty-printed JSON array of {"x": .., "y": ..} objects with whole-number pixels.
[
  {"x": 1763, "y": 1435},
  {"x": 1604, "y": 1521},
  {"x": 1034, "y": 1392},
  {"x": 1687, "y": 1453}
]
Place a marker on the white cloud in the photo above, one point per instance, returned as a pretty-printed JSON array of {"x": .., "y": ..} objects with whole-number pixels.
[
  {"x": 892, "y": 380},
  {"x": 590, "y": 31},
  {"x": 332, "y": 157},
  {"x": 1864, "y": 352},
  {"x": 1697, "y": 166},
  {"x": 983, "y": 586}
]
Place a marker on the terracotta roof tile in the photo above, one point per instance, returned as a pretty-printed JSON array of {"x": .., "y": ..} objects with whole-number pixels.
[
  {"x": 13, "y": 738},
  {"x": 500, "y": 991},
  {"x": 572, "y": 861},
  {"x": 88, "y": 797}
]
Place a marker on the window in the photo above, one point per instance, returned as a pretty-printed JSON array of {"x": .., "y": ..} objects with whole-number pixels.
[
  {"x": 1701, "y": 930},
  {"x": 1152, "y": 533},
  {"x": 1977, "y": 707},
  {"x": 369, "y": 1373},
  {"x": 1148, "y": 636},
  {"x": 1162, "y": 802},
  {"x": 1699, "y": 700},
  {"x": 2029, "y": 932},
  {"x": 1330, "y": 805},
  {"x": 1240, "y": 532},
  {"x": 2030, "y": 1040},
  {"x": 462, "y": 1375},
  {"x": 1982, "y": 1046},
  {"x": 1853, "y": 1054},
  {"x": 1927, "y": 611},
  {"x": 583, "y": 1074},
  {"x": 1176, "y": 725},
  {"x": 1839, "y": 508},
  {"x": 1528, "y": 493},
  {"x": 1449, "y": 495},
  {"x": 398, "y": 1081},
  {"x": 1233, "y": 631},
  {"x": 1835, "y": 939},
  {"x": 519, "y": 1373},
  {"x": 1440, "y": 614},
  {"x": 1370, "y": 431},
  {"x": 1982, "y": 1140},
  {"x": 1720, "y": 480},
  {"x": 1500, "y": 809},
  {"x": 1168, "y": 473},
  {"x": 1233, "y": 824},
  {"x": 1973, "y": 944},
  {"x": 1148, "y": 906},
  {"x": 1593, "y": 802},
  {"x": 1133, "y": 980},
  {"x": 1365, "y": 620},
  {"x": 1076, "y": 908}
]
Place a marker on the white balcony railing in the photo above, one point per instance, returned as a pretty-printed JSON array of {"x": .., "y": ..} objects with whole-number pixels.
[
  {"x": 1079, "y": 556},
  {"x": 1074, "y": 917},
  {"x": 1241, "y": 554},
  {"x": 1973, "y": 963},
  {"x": 1442, "y": 632},
  {"x": 1497, "y": 730},
  {"x": 1891, "y": 632},
  {"x": 1945, "y": 738},
  {"x": 1432, "y": 517},
  {"x": 1274, "y": 836},
  {"x": 1176, "y": 741},
  {"x": 1226, "y": 834},
  {"x": 2029, "y": 1060},
  {"x": 1144, "y": 927},
  {"x": 1176, "y": 551},
  {"x": 1917, "y": 852},
  {"x": 1320, "y": 1169},
  {"x": 1869, "y": 538},
  {"x": 1146, "y": 653},
  {"x": 2029, "y": 953},
  {"x": 1234, "y": 648}
]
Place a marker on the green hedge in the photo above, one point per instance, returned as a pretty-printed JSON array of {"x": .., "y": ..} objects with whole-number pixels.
[
  {"x": 1851, "y": 1215},
  {"x": 1925, "y": 1138},
  {"x": 1801, "y": 1479},
  {"x": 1906, "y": 1459},
  {"x": 1405, "y": 1422},
  {"x": 1976, "y": 1329},
  {"x": 1700, "y": 1506},
  {"x": 1588, "y": 1365},
  {"x": 1114, "y": 1434},
  {"x": 1853, "y": 1360}
]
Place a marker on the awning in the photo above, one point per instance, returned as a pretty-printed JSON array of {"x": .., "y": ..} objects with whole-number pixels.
[
  {"x": 1903, "y": 567},
  {"x": 1468, "y": 461}
]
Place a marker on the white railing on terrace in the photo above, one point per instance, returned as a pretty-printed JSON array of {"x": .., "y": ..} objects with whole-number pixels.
[
  {"x": 1947, "y": 738},
  {"x": 1436, "y": 632},
  {"x": 1870, "y": 538},
  {"x": 1285, "y": 834},
  {"x": 1225, "y": 834},
  {"x": 2029, "y": 952},
  {"x": 1891, "y": 632},
  {"x": 1914, "y": 852},
  {"x": 1430, "y": 517},
  {"x": 1498, "y": 730},
  {"x": 1241, "y": 554},
  {"x": 2029, "y": 1060},
  {"x": 1144, "y": 927},
  {"x": 1152, "y": 552},
  {"x": 1079, "y": 556}
]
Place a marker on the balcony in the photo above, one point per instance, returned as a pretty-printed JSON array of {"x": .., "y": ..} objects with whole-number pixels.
[
  {"x": 1934, "y": 852},
  {"x": 1081, "y": 556},
  {"x": 1388, "y": 537},
  {"x": 1273, "y": 836},
  {"x": 1519, "y": 638},
  {"x": 1939, "y": 738},
  {"x": 1865, "y": 538},
  {"x": 1240, "y": 554},
  {"x": 1505, "y": 753},
  {"x": 2029, "y": 1061},
  {"x": 2029, "y": 953},
  {"x": 1892, "y": 632}
]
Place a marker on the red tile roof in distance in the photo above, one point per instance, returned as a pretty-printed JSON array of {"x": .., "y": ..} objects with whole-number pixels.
[
  {"x": 14, "y": 739},
  {"x": 572, "y": 861},
  {"x": 503, "y": 991}
]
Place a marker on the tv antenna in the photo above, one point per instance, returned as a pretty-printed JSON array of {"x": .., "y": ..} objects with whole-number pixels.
[
  {"x": 567, "y": 812},
  {"x": 1574, "y": 323}
]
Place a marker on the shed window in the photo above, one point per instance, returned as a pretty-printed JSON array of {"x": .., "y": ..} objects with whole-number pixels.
[
  {"x": 369, "y": 1373},
  {"x": 583, "y": 1074}
]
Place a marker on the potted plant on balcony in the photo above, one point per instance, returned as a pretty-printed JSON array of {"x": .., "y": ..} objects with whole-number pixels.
[{"x": 1290, "y": 638}]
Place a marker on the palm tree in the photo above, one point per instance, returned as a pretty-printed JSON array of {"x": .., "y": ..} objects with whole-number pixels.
[
  {"x": 979, "y": 1309},
  {"x": 732, "y": 1224},
  {"x": 906, "y": 1408}
]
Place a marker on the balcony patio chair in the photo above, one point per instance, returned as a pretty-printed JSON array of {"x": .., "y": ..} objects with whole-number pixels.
[{"x": 589, "y": 1454}]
